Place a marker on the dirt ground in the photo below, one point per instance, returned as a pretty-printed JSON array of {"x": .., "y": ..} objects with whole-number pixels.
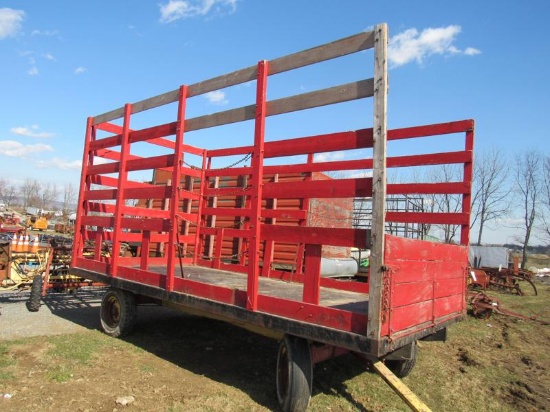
[
  {"x": 170, "y": 359},
  {"x": 175, "y": 362}
]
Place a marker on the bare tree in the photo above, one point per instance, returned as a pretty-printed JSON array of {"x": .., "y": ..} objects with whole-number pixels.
[
  {"x": 48, "y": 194},
  {"x": 491, "y": 190},
  {"x": 546, "y": 196},
  {"x": 446, "y": 203},
  {"x": 69, "y": 199},
  {"x": 10, "y": 194},
  {"x": 528, "y": 185},
  {"x": 3, "y": 185},
  {"x": 30, "y": 193}
]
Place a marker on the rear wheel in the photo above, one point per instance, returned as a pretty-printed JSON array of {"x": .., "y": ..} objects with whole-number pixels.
[
  {"x": 118, "y": 312},
  {"x": 33, "y": 304},
  {"x": 294, "y": 374},
  {"x": 402, "y": 368}
]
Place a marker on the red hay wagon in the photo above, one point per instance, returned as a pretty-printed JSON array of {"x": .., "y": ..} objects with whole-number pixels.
[{"x": 206, "y": 239}]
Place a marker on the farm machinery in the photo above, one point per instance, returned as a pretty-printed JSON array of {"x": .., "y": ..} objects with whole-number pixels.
[
  {"x": 512, "y": 280},
  {"x": 37, "y": 266}
]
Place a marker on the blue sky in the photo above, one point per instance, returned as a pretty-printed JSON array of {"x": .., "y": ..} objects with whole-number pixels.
[{"x": 63, "y": 61}]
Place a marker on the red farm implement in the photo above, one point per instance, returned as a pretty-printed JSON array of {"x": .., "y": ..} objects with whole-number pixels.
[{"x": 232, "y": 230}]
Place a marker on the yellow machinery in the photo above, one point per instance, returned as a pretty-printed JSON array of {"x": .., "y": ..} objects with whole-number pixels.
[{"x": 37, "y": 223}]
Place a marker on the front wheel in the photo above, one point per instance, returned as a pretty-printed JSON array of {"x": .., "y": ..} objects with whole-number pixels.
[
  {"x": 294, "y": 374},
  {"x": 402, "y": 368},
  {"x": 33, "y": 304},
  {"x": 118, "y": 312}
]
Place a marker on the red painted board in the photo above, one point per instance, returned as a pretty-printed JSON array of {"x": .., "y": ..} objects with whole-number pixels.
[
  {"x": 319, "y": 315},
  {"x": 100, "y": 194},
  {"x": 153, "y": 162},
  {"x": 313, "y": 144},
  {"x": 414, "y": 249},
  {"x": 93, "y": 265},
  {"x": 141, "y": 276},
  {"x": 404, "y": 271},
  {"x": 430, "y": 159},
  {"x": 448, "y": 287},
  {"x": 449, "y": 305},
  {"x": 361, "y": 187},
  {"x": 431, "y": 130},
  {"x": 428, "y": 218},
  {"x": 212, "y": 292},
  {"x": 317, "y": 235},
  {"x": 405, "y": 317},
  {"x": 408, "y": 293},
  {"x": 154, "y": 132},
  {"x": 428, "y": 188}
]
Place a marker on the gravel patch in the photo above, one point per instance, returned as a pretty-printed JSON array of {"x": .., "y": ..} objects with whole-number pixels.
[{"x": 59, "y": 313}]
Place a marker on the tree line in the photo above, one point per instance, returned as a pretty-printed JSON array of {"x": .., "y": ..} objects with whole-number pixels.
[{"x": 45, "y": 196}]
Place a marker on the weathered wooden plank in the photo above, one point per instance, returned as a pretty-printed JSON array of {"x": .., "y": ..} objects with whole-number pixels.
[
  {"x": 379, "y": 181},
  {"x": 348, "y": 45},
  {"x": 400, "y": 388},
  {"x": 338, "y": 48},
  {"x": 332, "y": 95}
]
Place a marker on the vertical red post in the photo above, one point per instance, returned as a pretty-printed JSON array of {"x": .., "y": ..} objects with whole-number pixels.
[
  {"x": 256, "y": 189},
  {"x": 468, "y": 177},
  {"x": 120, "y": 204},
  {"x": 312, "y": 281},
  {"x": 80, "y": 229},
  {"x": 145, "y": 244},
  {"x": 304, "y": 222},
  {"x": 206, "y": 163},
  {"x": 175, "y": 192}
]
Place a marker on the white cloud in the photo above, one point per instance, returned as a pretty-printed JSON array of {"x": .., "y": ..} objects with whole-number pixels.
[
  {"x": 33, "y": 71},
  {"x": 216, "y": 97},
  {"x": 10, "y": 22},
  {"x": 49, "y": 56},
  {"x": 80, "y": 70},
  {"x": 329, "y": 156},
  {"x": 58, "y": 163},
  {"x": 32, "y": 131},
  {"x": 411, "y": 45},
  {"x": 470, "y": 51},
  {"x": 44, "y": 32},
  {"x": 12, "y": 148},
  {"x": 182, "y": 9}
]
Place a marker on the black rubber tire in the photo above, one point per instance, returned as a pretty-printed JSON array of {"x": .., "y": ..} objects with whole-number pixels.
[
  {"x": 118, "y": 312},
  {"x": 402, "y": 368},
  {"x": 294, "y": 374},
  {"x": 34, "y": 302}
]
